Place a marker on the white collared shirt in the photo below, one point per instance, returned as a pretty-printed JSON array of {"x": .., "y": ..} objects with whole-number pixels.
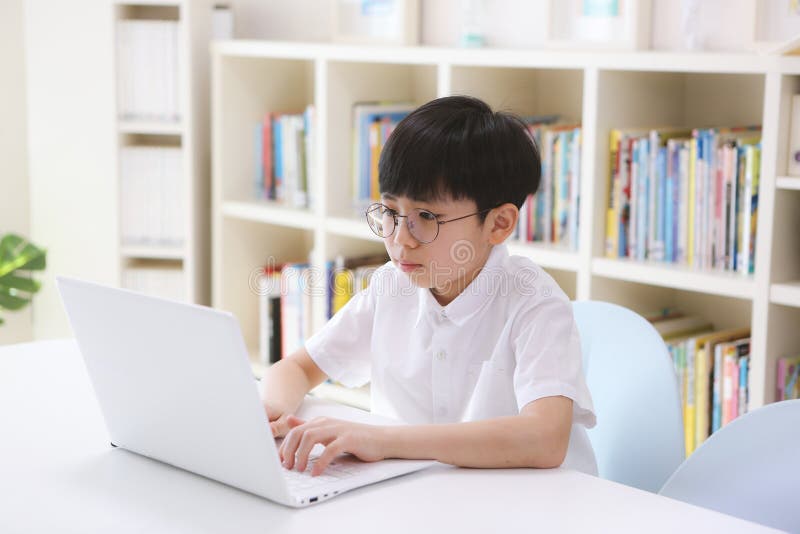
[{"x": 508, "y": 339}]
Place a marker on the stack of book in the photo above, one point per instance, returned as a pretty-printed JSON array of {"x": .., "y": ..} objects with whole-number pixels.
[
  {"x": 684, "y": 196},
  {"x": 147, "y": 72},
  {"x": 551, "y": 214},
  {"x": 373, "y": 122},
  {"x": 285, "y": 299},
  {"x": 712, "y": 369},
  {"x": 348, "y": 276},
  {"x": 161, "y": 281},
  {"x": 788, "y": 379},
  {"x": 152, "y": 196},
  {"x": 284, "y": 163}
]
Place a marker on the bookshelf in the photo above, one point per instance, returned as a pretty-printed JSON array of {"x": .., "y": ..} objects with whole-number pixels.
[
  {"x": 602, "y": 90},
  {"x": 189, "y": 256}
]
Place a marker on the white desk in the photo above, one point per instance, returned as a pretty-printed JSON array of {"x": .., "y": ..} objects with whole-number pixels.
[{"x": 59, "y": 474}]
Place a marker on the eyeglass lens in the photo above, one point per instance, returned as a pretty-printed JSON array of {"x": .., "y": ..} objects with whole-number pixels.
[{"x": 422, "y": 224}]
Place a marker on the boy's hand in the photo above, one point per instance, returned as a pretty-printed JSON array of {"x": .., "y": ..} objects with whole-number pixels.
[
  {"x": 339, "y": 437},
  {"x": 278, "y": 418}
]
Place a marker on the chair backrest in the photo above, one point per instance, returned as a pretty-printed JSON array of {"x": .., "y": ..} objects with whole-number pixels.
[
  {"x": 638, "y": 439},
  {"x": 750, "y": 468}
]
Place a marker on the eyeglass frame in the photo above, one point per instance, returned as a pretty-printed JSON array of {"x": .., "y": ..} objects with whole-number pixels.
[{"x": 396, "y": 216}]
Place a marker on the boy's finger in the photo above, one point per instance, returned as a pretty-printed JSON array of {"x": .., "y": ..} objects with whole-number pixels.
[
  {"x": 332, "y": 450},
  {"x": 289, "y": 448},
  {"x": 293, "y": 421},
  {"x": 276, "y": 429}
]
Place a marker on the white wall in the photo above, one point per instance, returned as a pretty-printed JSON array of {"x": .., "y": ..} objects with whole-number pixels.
[
  {"x": 14, "y": 191},
  {"x": 509, "y": 23},
  {"x": 71, "y": 146}
]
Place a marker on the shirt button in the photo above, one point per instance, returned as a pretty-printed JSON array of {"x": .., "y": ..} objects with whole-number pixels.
[
  {"x": 444, "y": 314},
  {"x": 441, "y": 355}
]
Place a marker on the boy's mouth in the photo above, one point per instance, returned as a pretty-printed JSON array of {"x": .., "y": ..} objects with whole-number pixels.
[{"x": 407, "y": 267}]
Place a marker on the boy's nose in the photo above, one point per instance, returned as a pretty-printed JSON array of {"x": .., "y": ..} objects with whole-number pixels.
[{"x": 402, "y": 236}]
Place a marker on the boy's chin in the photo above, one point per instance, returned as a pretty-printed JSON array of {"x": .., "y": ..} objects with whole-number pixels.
[{"x": 418, "y": 278}]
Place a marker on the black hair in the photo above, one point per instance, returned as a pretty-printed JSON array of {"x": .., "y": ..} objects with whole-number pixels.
[{"x": 457, "y": 147}]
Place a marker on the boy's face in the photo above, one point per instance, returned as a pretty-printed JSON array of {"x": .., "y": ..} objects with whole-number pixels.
[{"x": 447, "y": 264}]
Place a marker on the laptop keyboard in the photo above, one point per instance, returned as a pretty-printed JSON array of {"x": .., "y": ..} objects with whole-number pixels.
[{"x": 336, "y": 470}]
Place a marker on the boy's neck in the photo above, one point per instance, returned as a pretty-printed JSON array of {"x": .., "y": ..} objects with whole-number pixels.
[{"x": 446, "y": 297}]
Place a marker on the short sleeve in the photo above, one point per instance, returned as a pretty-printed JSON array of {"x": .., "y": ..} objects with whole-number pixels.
[
  {"x": 342, "y": 347},
  {"x": 547, "y": 349}
]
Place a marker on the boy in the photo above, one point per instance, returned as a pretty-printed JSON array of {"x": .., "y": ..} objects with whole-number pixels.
[{"x": 477, "y": 351}]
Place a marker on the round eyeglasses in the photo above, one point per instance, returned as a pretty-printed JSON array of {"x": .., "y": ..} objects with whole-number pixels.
[{"x": 422, "y": 224}]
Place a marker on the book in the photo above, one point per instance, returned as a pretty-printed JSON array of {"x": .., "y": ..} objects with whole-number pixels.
[
  {"x": 705, "y": 345},
  {"x": 372, "y": 124},
  {"x": 726, "y": 381},
  {"x": 788, "y": 379},
  {"x": 284, "y": 158},
  {"x": 269, "y": 305},
  {"x": 349, "y": 275},
  {"x": 295, "y": 306}
]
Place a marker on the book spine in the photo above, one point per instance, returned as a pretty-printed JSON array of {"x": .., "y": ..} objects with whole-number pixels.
[
  {"x": 692, "y": 200},
  {"x": 689, "y": 419},
  {"x": 684, "y": 203},
  {"x": 259, "y": 162},
  {"x": 756, "y": 166},
  {"x": 651, "y": 251},
  {"x": 624, "y": 196},
  {"x": 716, "y": 405},
  {"x": 747, "y": 193},
  {"x": 643, "y": 183},
  {"x": 266, "y": 149},
  {"x": 744, "y": 370},
  {"x": 612, "y": 228}
]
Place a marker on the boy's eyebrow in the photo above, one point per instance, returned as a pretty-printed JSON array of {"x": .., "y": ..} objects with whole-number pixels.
[{"x": 438, "y": 213}]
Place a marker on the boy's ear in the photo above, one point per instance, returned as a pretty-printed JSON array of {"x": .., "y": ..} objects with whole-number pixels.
[{"x": 501, "y": 222}]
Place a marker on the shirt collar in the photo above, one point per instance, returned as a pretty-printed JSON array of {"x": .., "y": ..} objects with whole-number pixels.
[{"x": 474, "y": 296}]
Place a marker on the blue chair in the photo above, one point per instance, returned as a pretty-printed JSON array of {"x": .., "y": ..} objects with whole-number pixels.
[
  {"x": 638, "y": 439},
  {"x": 750, "y": 468}
]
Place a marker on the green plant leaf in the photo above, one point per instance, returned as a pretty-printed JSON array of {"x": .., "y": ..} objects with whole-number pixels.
[
  {"x": 12, "y": 281},
  {"x": 11, "y": 302},
  {"x": 18, "y": 254}
]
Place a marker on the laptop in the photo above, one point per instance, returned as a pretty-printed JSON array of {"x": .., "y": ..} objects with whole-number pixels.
[{"x": 174, "y": 383}]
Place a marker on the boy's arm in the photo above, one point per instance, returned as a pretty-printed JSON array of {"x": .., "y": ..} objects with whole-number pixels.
[
  {"x": 537, "y": 437},
  {"x": 287, "y": 381}
]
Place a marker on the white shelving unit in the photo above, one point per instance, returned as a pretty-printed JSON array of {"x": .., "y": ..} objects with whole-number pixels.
[
  {"x": 189, "y": 133},
  {"x": 602, "y": 90}
]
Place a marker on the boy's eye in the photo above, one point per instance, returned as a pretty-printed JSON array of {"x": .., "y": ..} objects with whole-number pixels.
[
  {"x": 388, "y": 211},
  {"x": 427, "y": 216}
]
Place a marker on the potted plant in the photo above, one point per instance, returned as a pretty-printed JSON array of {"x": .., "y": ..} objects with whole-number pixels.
[{"x": 18, "y": 259}]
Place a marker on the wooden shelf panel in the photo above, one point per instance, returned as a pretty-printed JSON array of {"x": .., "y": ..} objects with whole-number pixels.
[
  {"x": 271, "y": 214},
  {"x": 429, "y": 55},
  {"x": 345, "y": 227},
  {"x": 676, "y": 276},
  {"x": 150, "y": 127},
  {"x": 787, "y": 293},
  {"x": 546, "y": 255},
  {"x": 153, "y": 252},
  {"x": 788, "y": 182}
]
